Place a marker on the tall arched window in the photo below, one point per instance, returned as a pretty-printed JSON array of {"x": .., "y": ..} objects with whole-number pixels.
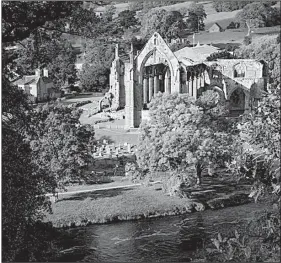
[{"x": 239, "y": 71}]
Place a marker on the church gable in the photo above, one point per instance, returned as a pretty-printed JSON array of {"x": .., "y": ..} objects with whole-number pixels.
[{"x": 157, "y": 45}]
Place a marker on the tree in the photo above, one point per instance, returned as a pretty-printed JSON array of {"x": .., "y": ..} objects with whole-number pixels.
[
  {"x": 109, "y": 13},
  {"x": 166, "y": 23},
  {"x": 257, "y": 157},
  {"x": 268, "y": 50},
  {"x": 228, "y": 6},
  {"x": 220, "y": 55},
  {"x": 135, "y": 5},
  {"x": 127, "y": 18},
  {"x": 180, "y": 135},
  {"x": 258, "y": 14},
  {"x": 23, "y": 186},
  {"x": 233, "y": 25},
  {"x": 60, "y": 144},
  {"x": 21, "y": 18},
  {"x": 196, "y": 16},
  {"x": 96, "y": 69},
  {"x": 55, "y": 54},
  {"x": 177, "y": 46}
]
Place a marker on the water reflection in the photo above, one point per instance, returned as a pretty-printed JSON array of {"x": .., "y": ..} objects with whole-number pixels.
[{"x": 175, "y": 238}]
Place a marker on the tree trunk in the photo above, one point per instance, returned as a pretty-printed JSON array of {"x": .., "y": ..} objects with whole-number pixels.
[{"x": 198, "y": 173}]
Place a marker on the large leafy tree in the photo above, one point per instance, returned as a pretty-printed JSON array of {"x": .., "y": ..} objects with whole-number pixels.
[
  {"x": 127, "y": 19},
  {"x": 55, "y": 54},
  {"x": 257, "y": 157},
  {"x": 166, "y": 23},
  {"x": 180, "y": 135},
  {"x": 228, "y": 6},
  {"x": 96, "y": 69},
  {"x": 259, "y": 14},
  {"x": 196, "y": 16},
  {"x": 60, "y": 144},
  {"x": 24, "y": 182},
  {"x": 20, "y": 18}
]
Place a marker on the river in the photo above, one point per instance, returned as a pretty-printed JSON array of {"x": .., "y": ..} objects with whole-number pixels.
[{"x": 170, "y": 239}]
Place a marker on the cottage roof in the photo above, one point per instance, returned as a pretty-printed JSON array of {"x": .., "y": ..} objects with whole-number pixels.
[
  {"x": 27, "y": 80},
  {"x": 31, "y": 79},
  {"x": 217, "y": 25}
]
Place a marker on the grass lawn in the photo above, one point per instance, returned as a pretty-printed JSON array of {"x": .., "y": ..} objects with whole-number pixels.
[
  {"x": 137, "y": 201},
  {"x": 115, "y": 205},
  {"x": 219, "y": 37}
]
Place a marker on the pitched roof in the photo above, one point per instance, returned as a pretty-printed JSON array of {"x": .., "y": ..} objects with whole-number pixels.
[
  {"x": 26, "y": 80},
  {"x": 32, "y": 79},
  {"x": 216, "y": 25},
  {"x": 195, "y": 55},
  {"x": 219, "y": 25}
]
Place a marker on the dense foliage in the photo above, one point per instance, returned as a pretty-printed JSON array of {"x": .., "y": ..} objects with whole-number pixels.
[
  {"x": 96, "y": 69},
  {"x": 167, "y": 23},
  {"x": 60, "y": 145},
  {"x": 259, "y": 14},
  {"x": 181, "y": 135},
  {"x": 43, "y": 51},
  {"x": 228, "y": 6},
  {"x": 25, "y": 177},
  {"x": 19, "y": 18},
  {"x": 127, "y": 19},
  {"x": 196, "y": 16},
  {"x": 20, "y": 183},
  {"x": 256, "y": 157}
]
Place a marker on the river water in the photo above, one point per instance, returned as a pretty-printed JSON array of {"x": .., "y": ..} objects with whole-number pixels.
[{"x": 170, "y": 239}]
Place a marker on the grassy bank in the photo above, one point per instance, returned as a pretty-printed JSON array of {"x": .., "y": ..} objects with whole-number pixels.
[
  {"x": 116, "y": 205},
  {"x": 133, "y": 203}
]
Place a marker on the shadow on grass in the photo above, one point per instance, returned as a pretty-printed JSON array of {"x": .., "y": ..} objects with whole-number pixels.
[{"x": 95, "y": 194}]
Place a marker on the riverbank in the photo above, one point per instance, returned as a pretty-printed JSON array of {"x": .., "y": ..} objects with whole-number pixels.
[{"x": 139, "y": 202}]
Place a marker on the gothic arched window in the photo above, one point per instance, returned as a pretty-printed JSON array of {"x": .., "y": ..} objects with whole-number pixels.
[{"x": 239, "y": 71}]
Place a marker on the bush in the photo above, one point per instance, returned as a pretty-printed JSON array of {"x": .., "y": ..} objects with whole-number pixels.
[{"x": 133, "y": 172}]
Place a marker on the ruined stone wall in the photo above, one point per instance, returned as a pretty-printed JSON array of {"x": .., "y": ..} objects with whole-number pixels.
[
  {"x": 129, "y": 99},
  {"x": 116, "y": 82},
  {"x": 231, "y": 75},
  {"x": 157, "y": 51}
]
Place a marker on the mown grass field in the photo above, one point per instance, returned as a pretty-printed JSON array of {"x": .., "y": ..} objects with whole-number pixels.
[{"x": 114, "y": 205}]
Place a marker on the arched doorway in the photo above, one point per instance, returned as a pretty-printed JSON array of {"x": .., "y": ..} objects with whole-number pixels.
[{"x": 237, "y": 102}]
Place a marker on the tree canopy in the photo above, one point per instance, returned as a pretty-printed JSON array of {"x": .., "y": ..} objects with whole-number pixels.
[
  {"x": 180, "y": 134},
  {"x": 96, "y": 69},
  {"x": 60, "y": 144},
  {"x": 228, "y": 6},
  {"x": 167, "y": 23},
  {"x": 196, "y": 16},
  {"x": 43, "y": 51},
  {"x": 127, "y": 19},
  {"x": 259, "y": 14},
  {"x": 19, "y": 18}
]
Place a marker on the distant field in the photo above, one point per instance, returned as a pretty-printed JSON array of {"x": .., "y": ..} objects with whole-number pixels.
[
  {"x": 217, "y": 17},
  {"x": 219, "y": 37}
]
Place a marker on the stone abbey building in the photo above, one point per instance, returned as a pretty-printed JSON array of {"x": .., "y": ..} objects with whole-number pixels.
[{"x": 156, "y": 68}]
